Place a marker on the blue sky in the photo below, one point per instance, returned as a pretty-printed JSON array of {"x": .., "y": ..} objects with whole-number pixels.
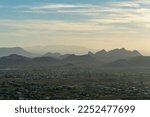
[{"x": 91, "y": 23}]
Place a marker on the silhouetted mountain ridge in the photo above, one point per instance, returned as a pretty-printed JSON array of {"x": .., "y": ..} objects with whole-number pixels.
[
  {"x": 114, "y": 54},
  {"x": 116, "y": 57},
  {"x": 14, "y": 60}
]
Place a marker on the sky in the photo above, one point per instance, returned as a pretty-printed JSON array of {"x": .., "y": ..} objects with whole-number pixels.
[{"x": 95, "y": 24}]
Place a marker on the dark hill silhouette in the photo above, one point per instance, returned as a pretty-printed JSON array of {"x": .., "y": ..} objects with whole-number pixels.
[
  {"x": 15, "y": 57},
  {"x": 21, "y": 61},
  {"x": 64, "y": 56},
  {"x": 123, "y": 53},
  {"x": 101, "y": 53},
  {"x": 14, "y": 60},
  {"x": 82, "y": 58},
  {"x": 45, "y": 59},
  {"x": 140, "y": 61},
  {"x": 54, "y": 55},
  {"x": 115, "y": 54}
]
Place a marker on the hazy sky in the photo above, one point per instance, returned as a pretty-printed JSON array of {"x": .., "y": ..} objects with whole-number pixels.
[{"x": 89, "y": 23}]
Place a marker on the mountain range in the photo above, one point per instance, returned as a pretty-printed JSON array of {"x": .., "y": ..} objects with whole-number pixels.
[
  {"x": 115, "y": 54},
  {"x": 114, "y": 58},
  {"x": 102, "y": 55}
]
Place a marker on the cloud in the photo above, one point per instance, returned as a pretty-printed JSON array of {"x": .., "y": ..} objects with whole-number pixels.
[
  {"x": 118, "y": 10},
  {"x": 45, "y": 25},
  {"x": 60, "y": 6},
  {"x": 126, "y": 4},
  {"x": 128, "y": 16}
]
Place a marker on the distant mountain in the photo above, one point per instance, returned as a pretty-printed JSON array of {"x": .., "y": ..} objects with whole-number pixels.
[
  {"x": 101, "y": 53},
  {"x": 45, "y": 59},
  {"x": 54, "y": 55},
  {"x": 62, "y": 49},
  {"x": 123, "y": 53},
  {"x": 140, "y": 61},
  {"x": 15, "y": 50},
  {"x": 115, "y": 54},
  {"x": 15, "y": 57},
  {"x": 82, "y": 59},
  {"x": 14, "y": 61},
  {"x": 21, "y": 61}
]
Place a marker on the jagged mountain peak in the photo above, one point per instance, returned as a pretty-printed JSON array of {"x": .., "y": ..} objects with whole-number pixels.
[
  {"x": 90, "y": 53},
  {"x": 101, "y": 52}
]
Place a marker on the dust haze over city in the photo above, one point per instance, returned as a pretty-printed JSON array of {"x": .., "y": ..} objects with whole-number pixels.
[{"x": 83, "y": 49}]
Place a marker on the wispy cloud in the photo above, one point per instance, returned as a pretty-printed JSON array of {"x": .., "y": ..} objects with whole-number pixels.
[
  {"x": 100, "y": 17},
  {"x": 45, "y": 25},
  {"x": 112, "y": 16},
  {"x": 129, "y": 10},
  {"x": 130, "y": 4},
  {"x": 61, "y": 6}
]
